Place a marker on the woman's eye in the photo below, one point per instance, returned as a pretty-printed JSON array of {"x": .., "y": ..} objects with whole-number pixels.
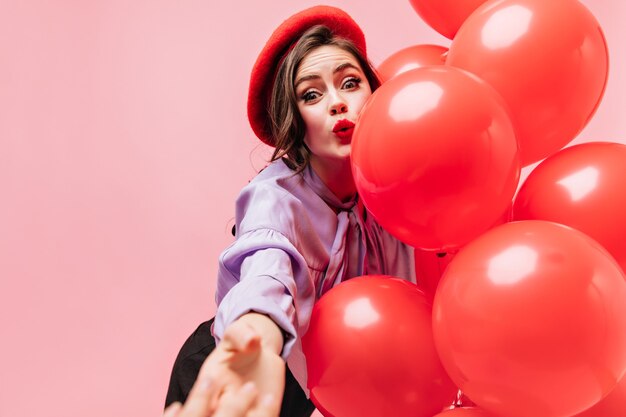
[
  {"x": 351, "y": 83},
  {"x": 310, "y": 96}
]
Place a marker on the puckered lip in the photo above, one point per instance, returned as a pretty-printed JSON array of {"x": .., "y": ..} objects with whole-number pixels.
[{"x": 343, "y": 124}]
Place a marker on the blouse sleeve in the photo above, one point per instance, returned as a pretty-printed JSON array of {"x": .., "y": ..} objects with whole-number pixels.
[{"x": 263, "y": 272}]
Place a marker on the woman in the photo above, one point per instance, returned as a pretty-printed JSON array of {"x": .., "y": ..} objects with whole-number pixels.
[{"x": 300, "y": 227}]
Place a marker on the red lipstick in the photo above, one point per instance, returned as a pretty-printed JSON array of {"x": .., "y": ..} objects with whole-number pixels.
[{"x": 343, "y": 128}]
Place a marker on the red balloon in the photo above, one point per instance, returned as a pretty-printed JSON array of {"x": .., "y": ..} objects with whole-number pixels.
[
  {"x": 465, "y": 412},
  {"x": 613, "y": 405},
  {"x": 584, "y": 187},
  {"x": 370, "y": 352},
  {"x": 434, "y": 157},
  {"x": 416, "y": 56},
  {"x": 445, "y": 16},
  {"x": 548, "y": 59},
  {"x": 530, "y": 320}
]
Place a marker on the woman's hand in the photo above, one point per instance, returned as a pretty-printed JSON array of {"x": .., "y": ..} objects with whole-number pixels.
[
  {"x": 244, "y": 376},
  {"x": 233, "y": 403}
]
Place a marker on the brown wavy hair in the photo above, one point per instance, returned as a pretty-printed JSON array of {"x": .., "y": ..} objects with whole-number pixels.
[{"x": 288, "y": 128}]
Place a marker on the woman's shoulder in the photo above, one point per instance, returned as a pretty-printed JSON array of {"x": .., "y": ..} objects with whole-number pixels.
[
  {"x": 275, "y": 180},
  {"x": 271, "y": 200}
]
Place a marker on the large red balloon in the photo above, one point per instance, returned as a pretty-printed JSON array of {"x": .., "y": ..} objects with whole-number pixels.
[
  {"x": 370, "y": 352},
  {"x": 435, "y": 158},
  {"x": 530, "y": 320},
  {"x": 613, "y": 405},
  {"x": 412, "y": 57},
  {"x": 445, "y": 16},
  {"x": 584, "y": 187},
  {"x": 548, "y": 59}
]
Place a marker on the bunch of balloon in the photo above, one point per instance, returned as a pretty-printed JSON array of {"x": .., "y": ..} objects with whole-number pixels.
[
  {"x": 412, "y": 57},
  {"x": 445, "y": 16},
  {"x": 439, "y": 14},
  {"x": 583, "y": 187},
  {"x": 548, "y": 60},
  {"x": 529, "y": 319},
  {"x": 434, "y": 157},
  {"x": 370, "y": 352}
]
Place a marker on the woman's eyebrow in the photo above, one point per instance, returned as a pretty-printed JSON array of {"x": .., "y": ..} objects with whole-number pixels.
[
  {"x": 305, "y": 78},
  {"x": 345, "y": 65},
  {"x": 339, "y": 68}
]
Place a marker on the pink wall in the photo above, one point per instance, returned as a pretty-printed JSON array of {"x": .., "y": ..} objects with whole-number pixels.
[{"x": 123, "y": 143}]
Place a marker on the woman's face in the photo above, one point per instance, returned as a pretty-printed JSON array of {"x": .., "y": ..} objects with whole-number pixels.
[{"x": 331, "y": 88}]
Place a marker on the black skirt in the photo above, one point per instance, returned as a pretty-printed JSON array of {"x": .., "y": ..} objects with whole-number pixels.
[{"x": 193, "y": 353}]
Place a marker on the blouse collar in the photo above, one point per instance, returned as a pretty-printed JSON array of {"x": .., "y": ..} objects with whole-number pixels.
[{"x": 315, "y": 182}]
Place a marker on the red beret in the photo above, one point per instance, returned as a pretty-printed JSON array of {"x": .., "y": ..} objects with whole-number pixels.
[{"x": 278, "y": 45}]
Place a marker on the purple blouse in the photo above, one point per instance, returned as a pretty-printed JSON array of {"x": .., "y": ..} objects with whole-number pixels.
[{"x": 295, "y": 241}]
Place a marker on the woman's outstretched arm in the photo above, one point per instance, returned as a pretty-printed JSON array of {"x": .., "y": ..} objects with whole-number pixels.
[{"x": 244, "y": 375}]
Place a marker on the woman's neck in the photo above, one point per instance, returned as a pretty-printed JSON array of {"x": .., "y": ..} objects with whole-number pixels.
[{"x": 337, "y": 176}]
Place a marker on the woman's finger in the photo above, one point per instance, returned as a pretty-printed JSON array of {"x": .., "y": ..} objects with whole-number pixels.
[
  {"x": 267, "y": 407},
  {"x": 201, "y": 399},
  {"x": 237, "y": 403},
  {"x": 215, "y": 378}
]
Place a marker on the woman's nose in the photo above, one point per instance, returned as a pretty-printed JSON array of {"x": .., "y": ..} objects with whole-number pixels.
[{"x": 338, "y": 106}]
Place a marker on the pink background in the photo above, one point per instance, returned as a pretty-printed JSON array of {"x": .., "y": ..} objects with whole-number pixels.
[{"x": 123, "y": 143}]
